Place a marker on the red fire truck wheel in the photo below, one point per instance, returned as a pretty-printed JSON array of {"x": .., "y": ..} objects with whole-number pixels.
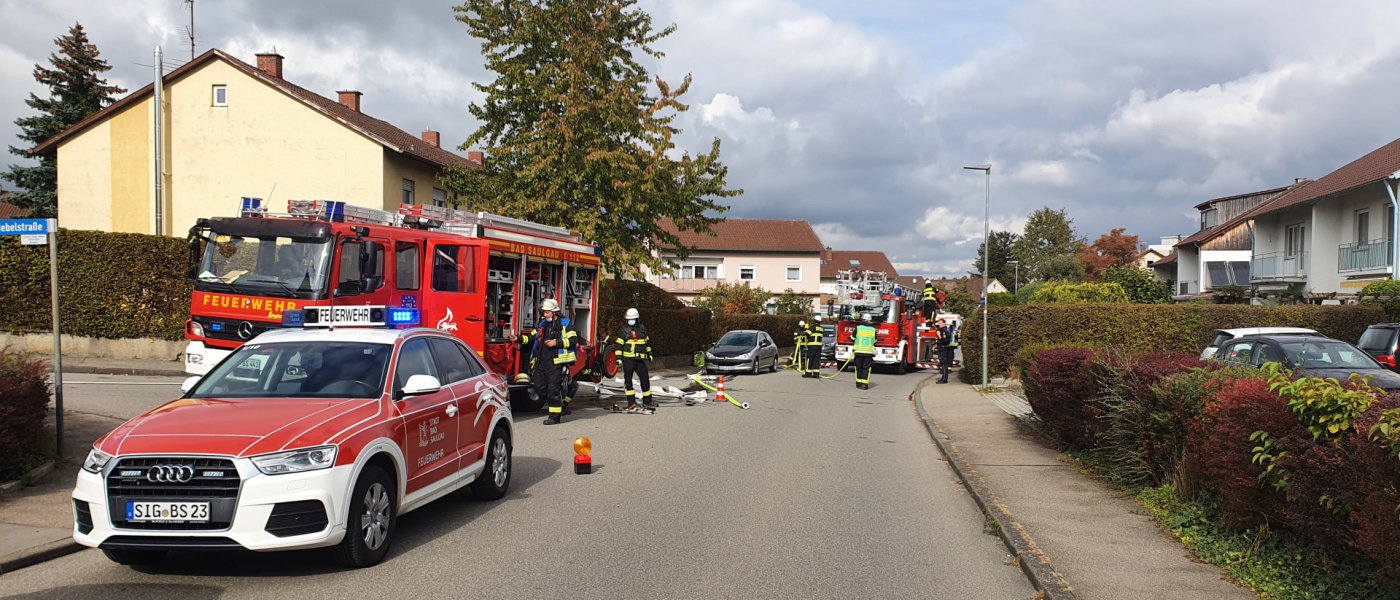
[{"x": 610, "y": 363}]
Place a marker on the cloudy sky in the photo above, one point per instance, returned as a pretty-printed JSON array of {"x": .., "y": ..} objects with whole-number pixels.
[{"x": 858, "y": 116}]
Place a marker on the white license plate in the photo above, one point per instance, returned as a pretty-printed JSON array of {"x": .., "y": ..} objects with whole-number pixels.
[{"x": 168, "y": 512}]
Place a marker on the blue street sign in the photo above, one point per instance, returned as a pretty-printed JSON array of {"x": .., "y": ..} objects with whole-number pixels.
[{"x": 28, "y": 226}]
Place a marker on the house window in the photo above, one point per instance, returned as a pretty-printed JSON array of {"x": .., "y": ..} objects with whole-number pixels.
[
  {"x": 699, "y": 272},
  {"x": 794, "y": 273},
  {"x": 439, "y": 197},
  {"x": 745, "y": 272},
  {"x": 1363, "y": 226},
  {"x": 220, "y": 95},
  {"x": 1224, "y": 273},
  {"x": 408, "y": 191},
  {"x": 1209, "y": 218},
  {"x": 1293, "y": 241},
  {"x": 855, "y": 263}
]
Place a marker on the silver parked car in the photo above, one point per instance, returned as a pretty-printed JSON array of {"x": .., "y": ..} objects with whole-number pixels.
[
  {"x": 744, "y": 351},
  {"x": 1225, "y": 335}
]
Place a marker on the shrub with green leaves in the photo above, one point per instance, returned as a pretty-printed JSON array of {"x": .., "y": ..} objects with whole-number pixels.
[
  {"x": 1080, "y": 293},
  {"x": 1141, "y": 285},
  {"x": 1326, "y": 406}
]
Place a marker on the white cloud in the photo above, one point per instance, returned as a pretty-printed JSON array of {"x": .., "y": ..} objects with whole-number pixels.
[{"x": 941, "y": 224}]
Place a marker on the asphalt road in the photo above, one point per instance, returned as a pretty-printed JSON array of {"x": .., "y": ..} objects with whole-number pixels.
[{"x": 818, "y": 491}]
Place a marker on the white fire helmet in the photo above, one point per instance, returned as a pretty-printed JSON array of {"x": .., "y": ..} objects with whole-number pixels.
[
  {"x": 633, "y": 314},
  {"x": 550, "y": 305},
  {"x": 818, "y": 317}
]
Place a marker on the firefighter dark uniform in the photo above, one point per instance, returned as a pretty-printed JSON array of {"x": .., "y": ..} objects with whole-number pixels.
[
  {"x": 864, "y": 350},
  {"x": 799, "y": 348},
  {"x": 814, "y": 350},
  {"x": 635, "y": 350},
  {"x": 930, "y": 307},
  {"x": 947, "y": 343},
  {"x": 548, "y": 363},
  {"x": 569, "y": 387}
]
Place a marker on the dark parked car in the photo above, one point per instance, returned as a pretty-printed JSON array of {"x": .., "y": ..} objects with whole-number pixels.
[
  {"x": 829, "y": 343},
  {"x": 1379, "y": 341},
  {"x": 745, "y": 351},
  {"x": 1312, "y": 356}
]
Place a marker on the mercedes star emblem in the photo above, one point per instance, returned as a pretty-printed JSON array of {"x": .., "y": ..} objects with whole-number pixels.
[{"x": 245, "y": 330}]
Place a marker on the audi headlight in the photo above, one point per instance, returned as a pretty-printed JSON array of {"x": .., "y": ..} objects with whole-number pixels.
[
  {"x": 296, "y": 461},
  {"x": 96, "y": 459}
]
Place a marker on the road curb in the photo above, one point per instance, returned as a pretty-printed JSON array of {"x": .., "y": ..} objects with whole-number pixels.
[
  {"x": 82, "y": 370},
  {"x": 38, "y": 554},
  {"x": 1034, "y": 563},
  {"x": 34, "y": 476}
]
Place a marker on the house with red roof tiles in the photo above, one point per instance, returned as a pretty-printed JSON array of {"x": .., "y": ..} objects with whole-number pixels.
[
  {"x": 1327, "y": 239},
  {"x": 773, "y": 254},
  {"x": 231, "y": 129},
  {"x": 1219, "y": 254}
]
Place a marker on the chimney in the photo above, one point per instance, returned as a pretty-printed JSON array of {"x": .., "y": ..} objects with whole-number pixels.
[
  {"x": 476, "y": 157},
  {"x": 351, "y": 100},
  {"x": 433, "y": 138},
  {"x": 1298, "y": 180},
  {"x": 270, "y": 63}
]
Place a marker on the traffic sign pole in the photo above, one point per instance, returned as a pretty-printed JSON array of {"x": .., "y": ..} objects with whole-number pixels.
[{"x": 57, "y": 337}]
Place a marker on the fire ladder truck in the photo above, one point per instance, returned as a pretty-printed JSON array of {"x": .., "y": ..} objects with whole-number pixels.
[
  {"x": 479, "y": 276},
  {"x": 902, "y": 340}
]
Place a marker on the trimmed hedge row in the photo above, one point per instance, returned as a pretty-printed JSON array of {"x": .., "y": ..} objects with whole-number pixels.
[
  {"x": 111, "y": 285},
  {"x": 672, "y": 332},
  {"x": 24, "y": 402},
  {"x": 782, "y": 328},
  {"x": 1144, "y": 327},
  {"x": 1315, "y": 458},
  {"x": 635, "y": 294}
]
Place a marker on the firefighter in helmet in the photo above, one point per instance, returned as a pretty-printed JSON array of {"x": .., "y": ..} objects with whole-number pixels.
[
  {"x": 814, "y": 348},
  {"x": 553, "y": 348},
  {"x": 944, "y": 347},
  {"x": 799, "y": 350},
  {"x": 930, "y": 306},
  {"x": 864, "y": 351},
  {"x": 634, "y": 349}
]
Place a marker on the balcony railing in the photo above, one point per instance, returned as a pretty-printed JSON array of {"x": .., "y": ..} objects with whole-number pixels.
[
  {"x": 1188, "y": 288},
  {"x": 1276, "y": 266},
  {"x": 1359, "y": 257},
  {"x": 685, "y": 285}
]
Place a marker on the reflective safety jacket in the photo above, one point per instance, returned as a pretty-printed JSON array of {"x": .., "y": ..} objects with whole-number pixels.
[
  {"x": 814, "y": 334},
  {"x": 954, "y": 337},
  {"x": 930, "y": 293},
  {"x": 865, "y": 340},
  {"x": 632, "y": 342},
  {"x": 565, "y": 340}
]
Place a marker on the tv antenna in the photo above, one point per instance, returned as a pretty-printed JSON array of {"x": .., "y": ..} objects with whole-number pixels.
[{"x": 188, "y": 31}]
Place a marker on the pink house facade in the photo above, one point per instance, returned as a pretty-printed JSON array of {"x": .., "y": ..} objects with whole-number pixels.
[{"x": 772, "y": 254}]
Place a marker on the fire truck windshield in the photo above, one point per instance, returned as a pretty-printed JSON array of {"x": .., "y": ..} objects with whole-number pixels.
[
  {"x": 277, "y": 266},
  {"x": 299, "y": 370}
]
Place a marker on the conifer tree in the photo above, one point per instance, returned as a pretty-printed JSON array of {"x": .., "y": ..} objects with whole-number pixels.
[
  {"x": 76, "y": 90},
  {"x": 573, "y": 133}
]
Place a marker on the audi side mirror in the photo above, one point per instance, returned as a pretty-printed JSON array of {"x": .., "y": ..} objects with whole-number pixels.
[{"x": 419, "y": 385}]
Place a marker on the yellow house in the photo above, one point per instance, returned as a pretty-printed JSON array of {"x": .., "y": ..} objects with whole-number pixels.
[{"x": 231, "y": 129}]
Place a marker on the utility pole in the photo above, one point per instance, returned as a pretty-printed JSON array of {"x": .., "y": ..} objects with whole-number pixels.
[{"x": 986, "y": 246}]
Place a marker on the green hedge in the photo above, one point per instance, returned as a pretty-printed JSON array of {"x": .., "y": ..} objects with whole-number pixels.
[
  {"x": 781, "y": 327},
  {"x": 111, "y": 285},
  {"x": 672, "y": 332},
  {"x": 1146, "y": 327},
  {"x": 635, "y": 294}
]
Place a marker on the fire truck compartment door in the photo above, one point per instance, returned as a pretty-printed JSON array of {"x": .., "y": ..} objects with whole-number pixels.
[
  {"x": 456, "y": 301},
  {"x": 430, "y": 436}
]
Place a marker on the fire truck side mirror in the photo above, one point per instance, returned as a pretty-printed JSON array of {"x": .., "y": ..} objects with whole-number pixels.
[
  {"x": 369, "y": 266},
  {"x": 195, "y": 247}
]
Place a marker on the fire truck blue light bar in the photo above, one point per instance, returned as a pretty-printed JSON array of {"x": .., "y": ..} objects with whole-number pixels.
[{"x": 403, "y": 316}]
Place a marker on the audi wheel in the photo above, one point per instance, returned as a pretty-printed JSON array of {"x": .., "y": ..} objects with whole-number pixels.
[
  {"x": 370, "y": 525},
  {"x": 494, "y": 481}
]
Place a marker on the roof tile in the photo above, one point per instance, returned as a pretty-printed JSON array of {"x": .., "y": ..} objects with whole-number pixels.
[
  {"x": 835, "y": 261},
  {"x": 751, "y": 234}
]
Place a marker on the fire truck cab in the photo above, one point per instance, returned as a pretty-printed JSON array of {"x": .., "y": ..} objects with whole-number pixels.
[{"x": 477, "y": 276}]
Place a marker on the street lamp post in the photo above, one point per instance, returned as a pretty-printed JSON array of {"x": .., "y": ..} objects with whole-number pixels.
[
  {"x": 1016, "y": 287},
  {"x": 986, "y": 216}
]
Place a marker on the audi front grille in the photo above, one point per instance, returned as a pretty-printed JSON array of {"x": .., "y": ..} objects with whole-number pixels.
[{"x": 174, "y": 479}]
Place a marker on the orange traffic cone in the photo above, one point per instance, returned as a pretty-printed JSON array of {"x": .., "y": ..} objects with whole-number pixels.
[{"x": 719, "y": 392}]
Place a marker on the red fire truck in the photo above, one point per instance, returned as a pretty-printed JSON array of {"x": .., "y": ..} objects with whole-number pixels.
[
  {"x": 478, "y": 276},
  {"x": 894, "y": 317}
]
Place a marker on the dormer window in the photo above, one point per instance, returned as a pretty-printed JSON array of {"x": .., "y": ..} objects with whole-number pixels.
[{"x": 1209, "y": 218}]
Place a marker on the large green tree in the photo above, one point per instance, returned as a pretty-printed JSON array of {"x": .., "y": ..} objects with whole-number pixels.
[
  {"x": 577, "y": 134},
  {"x": 1001, "y": 252},
  {"x": 1049, "y": 234},
  {"x": 76, "y": 90}
]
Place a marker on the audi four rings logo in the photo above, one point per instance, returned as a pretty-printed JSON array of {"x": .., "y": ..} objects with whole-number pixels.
[{"x": 170, "y": 474}]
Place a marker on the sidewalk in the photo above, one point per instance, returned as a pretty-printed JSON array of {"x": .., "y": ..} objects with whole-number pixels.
[
  {"x": 1101, "y": 542},
  {"x": 120, "y": 366}
]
